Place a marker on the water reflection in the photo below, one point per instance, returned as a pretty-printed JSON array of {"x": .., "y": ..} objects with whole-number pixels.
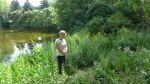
[
  {"x": 21, "y": 49},
  {"x": 38, "y": 45},
  {"x": 38, "y": 42},
  {"x": 13, "y": 43},
  {"x": 9, "y": 37},
  {"x": 26, "y": 49},
  {"x": 15, "y": 54}
]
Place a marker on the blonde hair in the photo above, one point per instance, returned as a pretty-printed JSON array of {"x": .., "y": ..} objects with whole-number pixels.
[{"x": 62, "y": 31}]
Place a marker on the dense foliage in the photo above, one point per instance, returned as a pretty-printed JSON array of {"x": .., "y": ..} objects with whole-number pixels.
[
  {"x": 112, "y": 15},
  {"x": 124, "y": 58},
  {"x": 44, "y": 4},
  {"x": 107, "y": 49},
  {"x": 95, "y": 15},
  {"x": 3, "y": 6},
  {"x": 27, "y": 6},
  {"x": 36, "y": 19},
  {"x": 71, "y": 13},
  {"x": 15, "y": 5}
]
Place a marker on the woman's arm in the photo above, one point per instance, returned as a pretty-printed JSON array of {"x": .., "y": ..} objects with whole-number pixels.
[
  {"x": 61, "y": 50},
  {"x": 58, "y": 47}
]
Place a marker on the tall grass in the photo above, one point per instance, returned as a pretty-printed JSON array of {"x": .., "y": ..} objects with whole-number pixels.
[
  {"x": 91, "y": 59},
  {"x": 121, "y": 67},
  {"x": 124, "y": 58},
  {"x": 40, "y": 67}
]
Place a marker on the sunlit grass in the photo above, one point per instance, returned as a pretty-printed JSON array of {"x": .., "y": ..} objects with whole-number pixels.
[
  {"x": 40, "y": 67},
  {"x": 97, "y": 59}
]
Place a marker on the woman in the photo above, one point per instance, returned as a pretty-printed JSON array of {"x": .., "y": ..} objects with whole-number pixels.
[{"x": 61, "y": 49}]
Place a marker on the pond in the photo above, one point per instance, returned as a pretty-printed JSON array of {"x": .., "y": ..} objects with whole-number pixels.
[{"x": 12, "y": 42}]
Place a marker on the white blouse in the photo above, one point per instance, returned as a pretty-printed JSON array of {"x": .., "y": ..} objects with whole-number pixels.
[{"x": 63, "y": 45}]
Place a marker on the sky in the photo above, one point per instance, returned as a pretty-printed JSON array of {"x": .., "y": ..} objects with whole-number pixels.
[{"x": 33, "y": 2}]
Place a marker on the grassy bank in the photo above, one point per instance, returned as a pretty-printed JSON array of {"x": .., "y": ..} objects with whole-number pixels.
[
  {"x": 124, "y": 58},
  {"x": 92, "y": 59},
  {"x": 40, "y": 67}
]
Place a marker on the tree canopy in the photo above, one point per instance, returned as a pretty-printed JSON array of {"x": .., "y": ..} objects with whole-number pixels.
[
  {"x": 27, "y": 6},
  {"x": 15, "y": 5},
  {"x": 44, "y": 4}
]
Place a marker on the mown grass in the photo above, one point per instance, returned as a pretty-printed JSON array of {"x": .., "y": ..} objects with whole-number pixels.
[{"x": 92, "y": 59}]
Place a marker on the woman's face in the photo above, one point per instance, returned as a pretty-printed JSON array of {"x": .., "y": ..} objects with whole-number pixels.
[{"x": 62, "y": 35}]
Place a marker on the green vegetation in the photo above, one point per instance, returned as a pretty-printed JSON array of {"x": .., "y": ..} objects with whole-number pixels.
[
  {"x": 104, "y": 60},
  {"x": 96, "y": 15},
  {"x": 40, "y": 67},
  {"x": 103, "y": 15},
  {"x": 124, "y": 58},
  {"x": 3, "y": 9},
  {"x": 31, "y": 20},
  {"x": 15, "y": 5},
  {"x": 108, "y": 42},
  {"x": 44, "y": 4},
  {"x": 27, "y": 6},
  {"x": 3, "y": 5}
]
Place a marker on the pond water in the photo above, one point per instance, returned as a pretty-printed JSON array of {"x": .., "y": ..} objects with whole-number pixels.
[{"x": 13, "y": 42}]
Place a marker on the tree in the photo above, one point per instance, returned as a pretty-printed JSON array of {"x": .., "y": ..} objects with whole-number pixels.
[
  {"x": 44, "y": 4},
  {"x": 133, "y": 9},
  {"x": 15, "y": 5},
  {"x": 27, "y": 6},
  {"x": 71, "y": 13},
  {"x": 3, "y": 10},
  {"x": 106, "y": 1}
]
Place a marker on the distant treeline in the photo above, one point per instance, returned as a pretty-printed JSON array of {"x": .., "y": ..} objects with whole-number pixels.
[
  {"x": 103, "y": 15},
  {"x": 107, "y": 16}
]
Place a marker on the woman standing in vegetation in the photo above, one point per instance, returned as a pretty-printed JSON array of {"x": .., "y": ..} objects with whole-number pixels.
[{"x": 61, "y": 49}]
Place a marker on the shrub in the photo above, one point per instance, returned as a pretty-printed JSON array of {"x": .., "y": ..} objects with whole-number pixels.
[
  {"x": 81, "y": 77},
  {"x": 96, "y": 24},
  {"x": 132, "y": 9},
  {"x": 132, "y": 39},
  {"x": 109, "y": 24},
  {"x": 119, "y": 67},
  {"x": 98, "y": 8},
  {"x": 116, "y": 22}
]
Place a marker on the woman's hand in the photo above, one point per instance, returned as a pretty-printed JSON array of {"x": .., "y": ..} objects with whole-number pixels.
[{"x": 64, "y": 51}]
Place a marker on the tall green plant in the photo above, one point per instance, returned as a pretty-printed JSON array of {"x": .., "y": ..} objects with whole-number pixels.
[{"x": 40, "y": 67}]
